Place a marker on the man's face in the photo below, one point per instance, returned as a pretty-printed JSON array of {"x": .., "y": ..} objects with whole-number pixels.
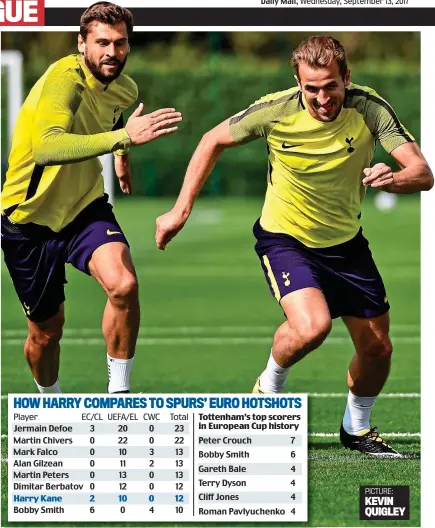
[
  {"x": 105, "y": 50},
  {"x": 324, "y": 90}
]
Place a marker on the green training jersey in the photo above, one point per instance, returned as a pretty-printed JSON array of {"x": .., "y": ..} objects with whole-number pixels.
[
  {"x": 314, "y": 181},
  {"x": 68, "y": 119}
]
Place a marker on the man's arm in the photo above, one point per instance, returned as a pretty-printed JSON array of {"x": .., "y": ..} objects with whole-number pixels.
[
  {"x": 415, "y": 175},
  {"x": 122, "y": 162},
  {"x": 123, "y": 172},
  {"x": 54, "y": 144},
  {"x": 200, "y": 167}
]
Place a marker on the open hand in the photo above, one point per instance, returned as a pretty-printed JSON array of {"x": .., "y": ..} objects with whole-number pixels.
[{"x": 145, "y": 128}]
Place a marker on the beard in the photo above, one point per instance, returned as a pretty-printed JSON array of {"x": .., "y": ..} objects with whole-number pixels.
[{"x": 97, "y": 68}]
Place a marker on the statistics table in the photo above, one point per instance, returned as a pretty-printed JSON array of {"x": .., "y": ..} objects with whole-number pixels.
[{"x": 163, "y": 458}]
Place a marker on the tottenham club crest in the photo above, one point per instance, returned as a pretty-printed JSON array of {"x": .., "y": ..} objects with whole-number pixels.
[{"x": 349, "y": 142}]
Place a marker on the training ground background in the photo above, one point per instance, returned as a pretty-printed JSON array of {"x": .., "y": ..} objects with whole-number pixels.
[{"x": 207, "y": 325}]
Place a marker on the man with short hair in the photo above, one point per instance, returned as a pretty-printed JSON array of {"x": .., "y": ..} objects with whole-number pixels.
[
  {"x": 321, "y": 138},
  {"x": 54, "y": 210}
]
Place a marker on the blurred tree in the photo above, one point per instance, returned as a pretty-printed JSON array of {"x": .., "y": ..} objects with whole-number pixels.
[
  {"x": 210, "y": 76},
  {"x": 360, "y": 46},
  {"x": 46, "y": 47},
  {"x": 40, "y": 48}
]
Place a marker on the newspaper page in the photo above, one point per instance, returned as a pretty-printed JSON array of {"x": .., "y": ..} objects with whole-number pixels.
[{"x": 242, "y": 193}]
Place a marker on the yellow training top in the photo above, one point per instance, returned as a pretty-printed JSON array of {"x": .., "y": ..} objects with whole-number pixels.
[
  {"x": 68, "y": 119},
  {"x": 315, "y": 189}
]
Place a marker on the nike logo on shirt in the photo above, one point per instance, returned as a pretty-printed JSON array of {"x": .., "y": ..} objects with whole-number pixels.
[{"x": 285, "y": 146}]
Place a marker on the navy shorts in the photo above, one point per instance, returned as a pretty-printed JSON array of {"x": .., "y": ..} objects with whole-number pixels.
[
  {"x": 35, "y": 255},
  {"x": 345, "y": 273}
]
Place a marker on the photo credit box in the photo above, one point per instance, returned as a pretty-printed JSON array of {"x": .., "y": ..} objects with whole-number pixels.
[{"x": 384, "y": 503}]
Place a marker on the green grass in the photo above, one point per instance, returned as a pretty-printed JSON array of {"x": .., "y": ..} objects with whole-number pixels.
[{"x": 209, "y": 284}]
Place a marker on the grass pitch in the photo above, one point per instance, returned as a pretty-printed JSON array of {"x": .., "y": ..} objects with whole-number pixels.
[{"x": 207, "y": 325}]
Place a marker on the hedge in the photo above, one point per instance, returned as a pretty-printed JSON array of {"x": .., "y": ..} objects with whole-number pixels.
[{"x": 211, "y": 93}]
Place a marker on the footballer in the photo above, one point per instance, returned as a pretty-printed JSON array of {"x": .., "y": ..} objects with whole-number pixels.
[
  {"x": 54, "y": 210},
  {"x": 320, "y": 137}
]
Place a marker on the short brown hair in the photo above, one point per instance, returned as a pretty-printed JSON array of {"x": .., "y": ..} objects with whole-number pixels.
[
  {"x": 320, "y": 52},
  {"x": 105, "y": 13}
]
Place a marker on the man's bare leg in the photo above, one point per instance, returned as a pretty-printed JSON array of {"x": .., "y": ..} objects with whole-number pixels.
[
  {"x": 42, "y": 350},
  {"x": 112, "y": 267},
  {"x": 368, "y": 372},
  {"x": 368, "y": 369},
  {"x": 307, "y": 325}
]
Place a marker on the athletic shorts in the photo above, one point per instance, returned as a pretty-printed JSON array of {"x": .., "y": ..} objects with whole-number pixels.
[
  {"x": 345, "y": 273},
  {"x": 36, "y": 256}
]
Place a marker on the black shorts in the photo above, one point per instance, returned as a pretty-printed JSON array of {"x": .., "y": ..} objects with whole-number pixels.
[
  {"x": 35, "y": 255},
  {"x": 346, "y": 273}
]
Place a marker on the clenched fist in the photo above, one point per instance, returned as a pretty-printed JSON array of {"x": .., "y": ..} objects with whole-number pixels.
[{"x": 380, "y": 175}]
